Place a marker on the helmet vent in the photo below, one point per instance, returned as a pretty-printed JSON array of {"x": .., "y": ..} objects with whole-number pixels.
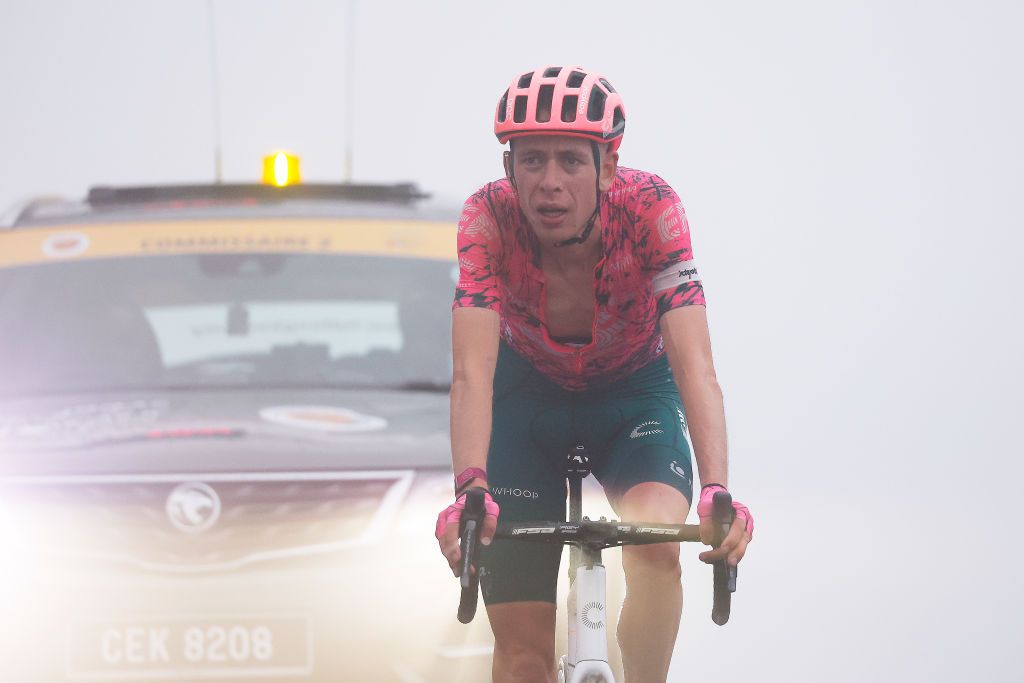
[
  {"x": 519, "y": 115},
  {"x": 569, "y": 108},
  {"x": 503, "y": 107},
  {"x": 575, "y": 79},
  {"x": 524, "y": 80},
  {"x": 618, "y": 118},
  {"x": 607, "y": 85},
  {"x": 544, "y": 103},
  {"x": 552, "y": 72},
  {"x": 595, "y": 109}
]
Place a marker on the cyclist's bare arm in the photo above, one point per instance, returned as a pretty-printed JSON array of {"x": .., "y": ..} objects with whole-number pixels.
[
  {"x": 688, "y": 345},
  {"x": 474, "y": 356}
]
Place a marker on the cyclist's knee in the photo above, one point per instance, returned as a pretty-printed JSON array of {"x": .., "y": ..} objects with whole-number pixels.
[
  {"x": 658, "y": 503},
  {"x": 642, "y": 562},
  {"x": 653, "y": 502},
  {"x": 524, "y": 640},
  {"x": 513, "y": 663}
]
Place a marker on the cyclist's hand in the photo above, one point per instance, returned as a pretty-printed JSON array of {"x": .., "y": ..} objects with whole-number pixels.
[
  {"x": 448, "y": 528},
  {"x": 735, "y": 544}
]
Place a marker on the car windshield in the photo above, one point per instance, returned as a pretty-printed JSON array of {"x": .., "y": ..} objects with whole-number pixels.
[{"x": 225, "y": 320}]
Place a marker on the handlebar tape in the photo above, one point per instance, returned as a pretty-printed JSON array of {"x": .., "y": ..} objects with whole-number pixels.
[
  {"x": 722, "y": 514},
  {"x": 469, "y": 535}
]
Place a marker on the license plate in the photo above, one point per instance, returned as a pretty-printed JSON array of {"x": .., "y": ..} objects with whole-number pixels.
[{"x": 190, "y": 647}]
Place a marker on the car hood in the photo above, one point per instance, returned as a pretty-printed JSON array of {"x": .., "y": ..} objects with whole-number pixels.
[{"x": 224, "y": 430}]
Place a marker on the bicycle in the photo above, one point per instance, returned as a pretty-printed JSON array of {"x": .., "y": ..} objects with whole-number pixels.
[{"x": 587, "y": 657}]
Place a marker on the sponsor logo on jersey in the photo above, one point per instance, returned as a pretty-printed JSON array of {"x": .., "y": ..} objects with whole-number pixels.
[
  {"x": 675, "y": 275},
  {"x": 672, "y": 223}
]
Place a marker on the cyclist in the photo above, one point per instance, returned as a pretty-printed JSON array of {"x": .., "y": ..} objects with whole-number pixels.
[{"x": 579, "y": 317}]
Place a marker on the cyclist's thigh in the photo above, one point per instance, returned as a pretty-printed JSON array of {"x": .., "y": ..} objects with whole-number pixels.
[
  {"x": 524, "y": 481},
  {"x": 650, "y": 444}
]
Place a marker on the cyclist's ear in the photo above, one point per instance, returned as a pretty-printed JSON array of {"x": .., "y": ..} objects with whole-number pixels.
[{"x": 607, "y": 167}]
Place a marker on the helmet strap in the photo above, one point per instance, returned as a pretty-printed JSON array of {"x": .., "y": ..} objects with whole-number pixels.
[
  {"x": 582, "y": 237},
  {"x": 509, "y": 165}
]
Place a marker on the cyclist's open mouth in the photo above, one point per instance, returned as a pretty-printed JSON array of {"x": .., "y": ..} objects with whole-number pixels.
[{"x": 551, "y": 215}]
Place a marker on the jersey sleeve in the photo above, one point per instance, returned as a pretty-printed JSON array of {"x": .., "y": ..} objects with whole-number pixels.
[
  {"x": 670, "y": 262},
  {"x": 479, "y": 250}
]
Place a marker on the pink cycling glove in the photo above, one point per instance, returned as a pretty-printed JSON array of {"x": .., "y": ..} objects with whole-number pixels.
[
  {"x": 453, "y": 513},
  {"x": 707, "y": 495}
]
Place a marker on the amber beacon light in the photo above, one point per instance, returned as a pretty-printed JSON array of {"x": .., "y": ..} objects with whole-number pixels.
[{"x": 281, "y": 169}]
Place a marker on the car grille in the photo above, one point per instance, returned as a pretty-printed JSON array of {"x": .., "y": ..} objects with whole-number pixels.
[{"x": 183, "y": 523}]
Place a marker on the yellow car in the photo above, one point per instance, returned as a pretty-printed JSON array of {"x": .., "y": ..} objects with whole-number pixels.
[{"x": 224, "y": 437}]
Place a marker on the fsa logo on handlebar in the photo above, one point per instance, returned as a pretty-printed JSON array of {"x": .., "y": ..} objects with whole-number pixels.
[
  {"x": 533, "y": 530},
  {"x": 656, "y": 530}
]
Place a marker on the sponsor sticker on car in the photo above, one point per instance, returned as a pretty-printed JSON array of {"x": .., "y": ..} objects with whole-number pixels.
[
  {"x": 65, "y": 244},
  {"x": 323, "y": 418},
  {"x": 402, "y": 239}
]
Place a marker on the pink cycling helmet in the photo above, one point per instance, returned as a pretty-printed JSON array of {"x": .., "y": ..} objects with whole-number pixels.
[{"x": 556, "y": 100}]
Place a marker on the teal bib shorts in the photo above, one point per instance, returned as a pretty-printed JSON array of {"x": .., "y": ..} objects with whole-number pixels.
[{"x": 634, "y": 432}]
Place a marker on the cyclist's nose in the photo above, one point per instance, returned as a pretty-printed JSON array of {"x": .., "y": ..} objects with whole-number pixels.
[{"x": 552, "y": 179}]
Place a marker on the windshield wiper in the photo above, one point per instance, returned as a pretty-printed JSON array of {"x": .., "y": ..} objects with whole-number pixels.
[{"x": 420, "y": 385}]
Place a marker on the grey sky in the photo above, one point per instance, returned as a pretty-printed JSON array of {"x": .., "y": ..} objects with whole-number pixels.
[{"x": 851, "y": 171}]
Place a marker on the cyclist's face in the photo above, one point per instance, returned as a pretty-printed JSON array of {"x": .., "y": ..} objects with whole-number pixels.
[{"x": 556, "y": 180}]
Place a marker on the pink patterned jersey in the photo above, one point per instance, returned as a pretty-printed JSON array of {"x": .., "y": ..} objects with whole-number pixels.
[{"x": 647, "y": 269}]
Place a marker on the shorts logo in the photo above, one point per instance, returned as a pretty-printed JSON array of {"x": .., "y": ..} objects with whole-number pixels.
[
  {"x": 679, "y": 470},
  {"x": 682, "y": 419},
  {"x": 517, "y": 493},
  {"x": 646, "y": 429}
]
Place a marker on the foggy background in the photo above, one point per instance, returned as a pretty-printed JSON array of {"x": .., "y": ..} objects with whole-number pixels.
[{"x": 851, "y": 171}]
